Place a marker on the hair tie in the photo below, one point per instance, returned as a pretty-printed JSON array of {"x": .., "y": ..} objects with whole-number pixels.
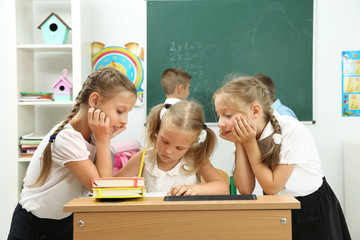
[
  {"x": 167, "y": 106},
  {"x": 52, "y": 138},
  {"x": 203, "y": 134},
  {"x": 277, "y": 138}
]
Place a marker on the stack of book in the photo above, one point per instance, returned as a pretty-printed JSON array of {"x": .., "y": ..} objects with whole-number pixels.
[
  {"x": 28, "y": 144},
  {"x": 118, "y": 187},
  {"x": 35, "y": 97}
]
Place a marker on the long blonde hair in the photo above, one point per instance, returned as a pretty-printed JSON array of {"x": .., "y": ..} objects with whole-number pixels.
[
  {"x": 105, "y": 81},
  {"x": 247, "y": 90},
  {"x": 188, "y": 116}
]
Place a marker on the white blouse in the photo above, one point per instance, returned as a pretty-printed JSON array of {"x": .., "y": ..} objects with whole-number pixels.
[
  {"x": 157, "y": 180},
  {"x": 47, "y": 201},
  {"x": 297, "y": 147}
]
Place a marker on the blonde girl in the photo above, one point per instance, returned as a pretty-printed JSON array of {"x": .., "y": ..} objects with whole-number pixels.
[
  {"x": 175, "y": 159},
  {"x": 64, "y": 163},
  {"x": 281, "y": 154}
]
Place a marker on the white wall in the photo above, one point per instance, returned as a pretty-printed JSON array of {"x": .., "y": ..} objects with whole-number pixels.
[
  {"x": 5, "y": 203},
  {"x": 115, "y": 23},
  {"x": 336, "y": 30}
]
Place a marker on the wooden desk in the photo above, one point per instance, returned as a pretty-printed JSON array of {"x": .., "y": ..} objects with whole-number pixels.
[{"x": 268, "y": 217}]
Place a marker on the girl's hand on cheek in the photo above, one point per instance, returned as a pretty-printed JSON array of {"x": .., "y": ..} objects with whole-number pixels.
[
  {"x": 243, "y": 130},
  {"x": 98, "y": 122}
]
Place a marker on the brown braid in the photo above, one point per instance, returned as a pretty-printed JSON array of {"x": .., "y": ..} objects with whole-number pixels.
[
  {"x": 272, "y": 157},
  {"x": 107, "y": 82},
  {"x": 47, "y": 154}
]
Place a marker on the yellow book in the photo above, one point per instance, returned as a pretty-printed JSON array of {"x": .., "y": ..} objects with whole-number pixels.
[{"x": 118, "y": 192}]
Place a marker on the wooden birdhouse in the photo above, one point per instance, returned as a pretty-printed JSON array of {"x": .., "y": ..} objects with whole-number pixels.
[
  {"x": 62, "y": 88},
  {"x": 54, "y": 30}
]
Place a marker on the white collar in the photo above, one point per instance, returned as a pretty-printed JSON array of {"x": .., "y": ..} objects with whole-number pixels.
[
  {"x": 172, "y": 100},
  {"x": 169, "y": 101}
]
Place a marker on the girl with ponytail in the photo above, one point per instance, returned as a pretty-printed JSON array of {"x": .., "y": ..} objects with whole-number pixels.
[
  {"x": 175, "y": 159},
  {"x": 280, "y": 153},
  {"x": 71, "y": 155}
]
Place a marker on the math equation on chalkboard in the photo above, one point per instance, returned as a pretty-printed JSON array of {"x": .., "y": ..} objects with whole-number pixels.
[{"x": 188, "y": 55}]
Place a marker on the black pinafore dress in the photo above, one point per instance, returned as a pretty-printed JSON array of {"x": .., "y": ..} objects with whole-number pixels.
[{"x": 320, "y": 216}]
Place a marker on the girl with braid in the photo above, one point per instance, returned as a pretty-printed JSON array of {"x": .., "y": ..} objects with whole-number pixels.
[
  {"x": 280, "y": 153},
  {"x": 71, "y": 155},
  {"x": 175, "y": 159}
]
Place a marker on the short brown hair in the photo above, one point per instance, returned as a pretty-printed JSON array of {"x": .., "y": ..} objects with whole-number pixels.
[
  {"x": 173, "y": 77},
  {"x": 268, "y": 82}
]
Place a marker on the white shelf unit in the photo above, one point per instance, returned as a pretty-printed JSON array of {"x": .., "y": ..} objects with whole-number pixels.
[{"x": 35, "y": 67}]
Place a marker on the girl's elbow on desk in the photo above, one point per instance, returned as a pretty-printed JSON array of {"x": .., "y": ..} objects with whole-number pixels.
[
  {"x": 223, "y": 188},
  {"x": 244, "y": 188},
  {"x": 213, "y": 188},
  {"x": 271, "y": 190}
]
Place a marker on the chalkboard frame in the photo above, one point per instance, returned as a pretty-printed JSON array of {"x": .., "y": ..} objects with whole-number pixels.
[{"x": 284, "y": 53}]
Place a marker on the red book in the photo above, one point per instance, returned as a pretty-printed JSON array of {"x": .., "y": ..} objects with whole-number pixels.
[{"x": 118, "y": 182}]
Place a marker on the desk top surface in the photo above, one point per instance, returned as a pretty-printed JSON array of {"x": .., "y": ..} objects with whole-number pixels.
[{"x": 158, "y": 204}]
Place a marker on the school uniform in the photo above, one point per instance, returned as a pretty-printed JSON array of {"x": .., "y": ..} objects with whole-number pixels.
[
  {"x": 39, "y": 214},
  {"x": 320, "y": 216}
]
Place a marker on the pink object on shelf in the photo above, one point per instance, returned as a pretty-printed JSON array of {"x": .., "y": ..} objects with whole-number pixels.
[{"x": 63, "y": 88}]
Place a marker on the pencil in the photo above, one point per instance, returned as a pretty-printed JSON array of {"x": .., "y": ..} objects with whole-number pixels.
[{"x": 142, "y": 163}]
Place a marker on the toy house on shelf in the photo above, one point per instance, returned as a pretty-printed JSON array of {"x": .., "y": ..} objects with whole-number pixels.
[
  {"x": 62, "y": 88},
  {"x": 54, "y": 30}
]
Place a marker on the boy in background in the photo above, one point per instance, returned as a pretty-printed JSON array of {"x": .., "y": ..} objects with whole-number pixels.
[
  {"x": 276, "y": 104},
  {"x": 175, "y": 83}
]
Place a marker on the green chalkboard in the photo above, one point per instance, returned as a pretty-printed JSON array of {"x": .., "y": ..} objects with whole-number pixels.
[{"x": 213, "y": 38}]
